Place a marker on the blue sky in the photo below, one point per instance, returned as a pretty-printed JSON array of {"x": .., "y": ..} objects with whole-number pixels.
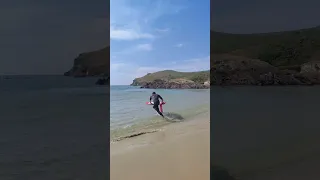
[{"x": 153, "y": 35}]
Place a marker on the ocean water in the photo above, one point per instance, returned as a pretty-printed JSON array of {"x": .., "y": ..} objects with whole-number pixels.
[
  {"x": 129, "y": 113},
  {"x": 53, "y": 127}
]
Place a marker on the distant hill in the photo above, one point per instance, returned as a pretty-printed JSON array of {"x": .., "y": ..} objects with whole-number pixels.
[
  {"x": 95, "y": 63},
  {"x": 286, "y": 50},
  {"x": 278, "y": 58},
  {"x": 173, "y": 76}
]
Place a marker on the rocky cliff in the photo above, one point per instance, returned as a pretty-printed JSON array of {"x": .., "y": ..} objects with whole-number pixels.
[
  {"x": 277, "y": 58},
  {"x": 237, "y": 70},
  {"x": 170, "y": 79},
  {"x": 96, "y": 63},
  {"x": 229, "y": 70},
  {"x": 174, "y": 84}
]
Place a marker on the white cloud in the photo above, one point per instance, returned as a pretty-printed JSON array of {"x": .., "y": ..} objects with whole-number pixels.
[
  {"x": 116, "y": 66},
  {"x": 133, "y": 49},
  {"x": 133, "y": 27},
  {"x": 196, "y": 64},
  {"x": 131, "y": 21},
  {"x": 128, "y": 34},
  {"x": 178, "y": 45},
  {"x": 145, "y": 47},
  {"x": 163, "y": 30}
]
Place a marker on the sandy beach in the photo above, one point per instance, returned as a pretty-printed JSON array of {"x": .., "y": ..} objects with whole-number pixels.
[
  {"x": 292, "y": 158},
  {"x": 177, "y": 151},
  {"x": 262, "y": 140}
]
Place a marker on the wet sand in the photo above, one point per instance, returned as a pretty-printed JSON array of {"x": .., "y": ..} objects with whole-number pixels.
[
  {"x": 280, "y": 158},
  {"x": 178, "y": 151},
  {"x": 266, "y": 133}
]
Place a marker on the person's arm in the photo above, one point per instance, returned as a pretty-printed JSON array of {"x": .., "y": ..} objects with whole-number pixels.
[
  {"x": 161, "y": 98},
  {"x": 150, "y": 98}
]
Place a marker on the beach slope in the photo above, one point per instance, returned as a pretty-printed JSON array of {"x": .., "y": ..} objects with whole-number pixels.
[{"x": 178, "y": 151}]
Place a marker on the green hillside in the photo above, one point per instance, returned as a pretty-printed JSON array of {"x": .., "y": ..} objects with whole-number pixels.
[
  {"x": 281, "y": 49},
  {"x": 198, "y": 77},
  {"x": 95, "y": 63}
]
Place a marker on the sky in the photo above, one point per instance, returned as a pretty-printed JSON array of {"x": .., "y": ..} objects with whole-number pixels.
[
  {"x": 44, "y": 37},
  {"x": 153, "y": 35},
  {"x": 252, "y": 16}
]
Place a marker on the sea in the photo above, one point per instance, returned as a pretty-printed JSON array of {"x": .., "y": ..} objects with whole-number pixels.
[
  {"x": 129, "y": 113},
  {"x": 53, "y": 127},
  {"x": 56, "y": 127}
]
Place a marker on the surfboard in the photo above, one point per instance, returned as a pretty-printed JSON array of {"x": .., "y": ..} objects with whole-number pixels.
[{"x": 161, "y": 108}]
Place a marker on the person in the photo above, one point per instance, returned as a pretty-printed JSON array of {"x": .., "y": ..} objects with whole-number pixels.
[{"x": 155, "y": 100}]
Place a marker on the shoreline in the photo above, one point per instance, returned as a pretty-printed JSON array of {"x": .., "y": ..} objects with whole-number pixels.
[
  {"x": 236, "y": 85},
  {"x": 176, "y": 151},
  {"x": 152, "y": 124}
]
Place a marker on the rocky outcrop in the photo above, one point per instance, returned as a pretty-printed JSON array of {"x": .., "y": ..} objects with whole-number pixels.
[
  {"x": 235, "y": 70},
  {"x": 94, "y": 63},
  {"x": 173, "y": 84},
  {"x": 135, "y": 82},
  {"x": 103, "y": 81},
  {"x": 207, "y": 83},
  {"x": 229, "y": 69},
  {"x": 198, "y": 77},
  {"x": 169, "y": 79},
  {"x": 276, "y": 58},
  {"x": 311, "y": 67}
]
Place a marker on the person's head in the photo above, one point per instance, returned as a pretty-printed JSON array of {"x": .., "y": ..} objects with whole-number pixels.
[{"x": 154, "y": 93}]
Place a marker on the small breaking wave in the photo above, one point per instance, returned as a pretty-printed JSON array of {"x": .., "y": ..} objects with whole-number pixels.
[
  {"x": 133, "y": 135},
  {"x": 153, "y": 124}
]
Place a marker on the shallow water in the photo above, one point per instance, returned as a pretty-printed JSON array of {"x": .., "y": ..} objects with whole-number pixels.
[
  {"x": 130, "y": 114},
  {"x": 53, "y": 127}
]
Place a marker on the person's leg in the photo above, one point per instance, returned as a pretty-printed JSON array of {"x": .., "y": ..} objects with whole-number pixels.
[{"x": 156, "y": 107}]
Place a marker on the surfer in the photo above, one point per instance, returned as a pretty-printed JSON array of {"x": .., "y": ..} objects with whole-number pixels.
[{"x": 154, "y": 99}]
